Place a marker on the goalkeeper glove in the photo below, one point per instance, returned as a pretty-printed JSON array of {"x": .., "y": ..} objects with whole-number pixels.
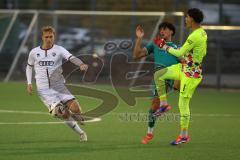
[{"x": 161, "y": 43}]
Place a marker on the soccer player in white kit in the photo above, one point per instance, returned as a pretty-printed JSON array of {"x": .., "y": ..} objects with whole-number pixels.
[{"x": 47, "y": 61}]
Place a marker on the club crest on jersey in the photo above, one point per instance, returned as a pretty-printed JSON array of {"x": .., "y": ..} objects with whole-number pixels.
[
  {"x": 46, "y": 63},
  {"x": 53, "y": 54}
]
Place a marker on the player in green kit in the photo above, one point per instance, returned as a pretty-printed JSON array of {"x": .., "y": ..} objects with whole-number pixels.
[
  {"x": 189, "y": 72},
  {"x": 161, "y": 60}
]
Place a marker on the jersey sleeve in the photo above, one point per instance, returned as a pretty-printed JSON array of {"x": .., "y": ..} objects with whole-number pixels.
[
  {"x": 150, "y": 48},
  {"x": 29, "y": 74},
  {"x": 65, "y": 54},
  {"x": 187, "y": 46},
  {"x": 31, "y": 59},
  {"x": 30, "y": 64}
]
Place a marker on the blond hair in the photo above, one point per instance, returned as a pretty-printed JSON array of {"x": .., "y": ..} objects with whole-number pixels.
[{"x": 48, "y": 29}]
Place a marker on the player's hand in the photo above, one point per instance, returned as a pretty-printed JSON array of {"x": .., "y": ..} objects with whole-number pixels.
[
  {"x": 29, "y": 89},
  {"x": 83, "y": 67},
  {"x": 139, "y": 32},
  {"x": 157, "y": 40},
  {"x": 161, "y": 43}
]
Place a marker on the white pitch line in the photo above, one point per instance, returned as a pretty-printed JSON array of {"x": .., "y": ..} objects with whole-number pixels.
[
  {"x": 23, "y": 112},
  {"x": 35, "y": 123},
  {"x": 42, "y": 113},
  {"x": 114, "y": 113},
  {"x": 21, "y": 123},
  {"x": 169, "y": 113},
  {"x": 215, "y": 115}
]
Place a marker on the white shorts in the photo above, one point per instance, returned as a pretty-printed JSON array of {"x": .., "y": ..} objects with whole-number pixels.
[{"x": 55, "y": 95}]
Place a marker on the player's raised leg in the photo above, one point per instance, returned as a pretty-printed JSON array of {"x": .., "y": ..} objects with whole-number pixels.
[{"x": 173, "y": 73}]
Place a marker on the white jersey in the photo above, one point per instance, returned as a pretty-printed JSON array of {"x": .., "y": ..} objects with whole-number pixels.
[{"x": 48, "y": 65}]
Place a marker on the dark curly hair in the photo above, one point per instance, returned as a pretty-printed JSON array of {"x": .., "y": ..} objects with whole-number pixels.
[
  {"x": 196, "y": 14},
  {"x": 167, "y": 25}
]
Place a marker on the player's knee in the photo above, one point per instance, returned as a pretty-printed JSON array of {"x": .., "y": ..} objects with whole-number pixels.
[
  {"x": 155, "y": 103},
  {"x": 58, "y": 110},
  {"x": 66, "y": 115},
  {"x": 186, "y": 115},
  {"x": 156, "y": 76},
  {"x": 184, "y": 111},
  {"x": 74, "y": 106}
]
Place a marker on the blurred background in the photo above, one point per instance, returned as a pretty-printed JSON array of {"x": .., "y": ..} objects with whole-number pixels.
[{"x": 85, "y": 27}]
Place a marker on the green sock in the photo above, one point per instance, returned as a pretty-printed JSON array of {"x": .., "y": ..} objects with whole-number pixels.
[{"x": 151, "y": 119}]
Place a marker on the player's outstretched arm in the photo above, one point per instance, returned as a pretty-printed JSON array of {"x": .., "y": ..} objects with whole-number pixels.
[
  {"x": 187, "y": 46},
  {"x": 182, "y": 51},
  {"x": 78, "y": 62},
  {"x": 139, "y": 52}
]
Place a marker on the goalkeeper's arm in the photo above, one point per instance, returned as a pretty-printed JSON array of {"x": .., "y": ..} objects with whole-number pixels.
[{"x": 187, "y": 46}]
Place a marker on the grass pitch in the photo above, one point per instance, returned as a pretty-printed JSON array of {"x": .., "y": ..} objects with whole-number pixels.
[{"x": 214, "y": 130}]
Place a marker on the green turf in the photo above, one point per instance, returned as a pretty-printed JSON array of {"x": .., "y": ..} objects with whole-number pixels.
[{"x": 215, "y": 130}]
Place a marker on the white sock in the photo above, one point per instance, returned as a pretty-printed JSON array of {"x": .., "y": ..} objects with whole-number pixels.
[
  {"x": 73, "y": 124},
  {"x": 150, "y": 130}
]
